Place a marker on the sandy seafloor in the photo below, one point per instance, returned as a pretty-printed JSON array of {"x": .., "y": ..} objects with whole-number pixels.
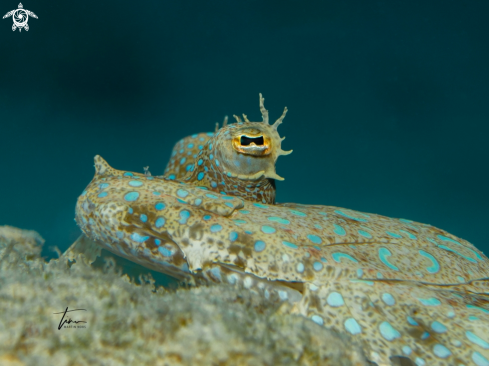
[{"x": 136, "y": 322}]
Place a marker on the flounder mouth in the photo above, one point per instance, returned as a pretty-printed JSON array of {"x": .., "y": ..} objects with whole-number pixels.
[{"x": 250, "y": 144}]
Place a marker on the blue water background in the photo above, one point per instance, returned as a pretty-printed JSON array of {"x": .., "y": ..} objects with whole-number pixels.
[{"x": 388, "y": 100}]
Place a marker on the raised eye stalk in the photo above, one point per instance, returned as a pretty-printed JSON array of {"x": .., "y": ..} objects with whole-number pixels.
[{"x": 256, "y": 145}]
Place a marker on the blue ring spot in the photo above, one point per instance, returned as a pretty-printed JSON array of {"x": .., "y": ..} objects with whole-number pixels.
[
  {"x": 182, "y": 193},
  {"x": 130, "y": 210},
  {"x": 184, "y": 215},
  {"x": 394, "y": 235},
  {"x": 315, "y": 239},
  {"x": 233, "y": 236},
  {"x": 160, "y": 206},
  {"x": 143, "y": 217},
  {"x": 432, "y": 301},
  {"x": 438, "y": 327},
  {"x": 103, "y": 194},
  {"x": 171, "y": 176},
  {"x": 190, "y": 146},
  {"x": 338, "y": 255},
  {"x": 456, "y": 252},
  {"x": 335, "y": 299},
  {"x": 479, "y": 359},
  {"x": 388, "y": 331},
  {"x": 298, "y": 213},
  {"x": 157, "y": 241},
  {"x": 213, "y": 184},
  {"x": 352, "y": 326},
  {"x": 160, "y": 221},
  {"x": 200, "y": 176},
  {"x": 435, "y": 267},
  {"x": 156, "y": 193},
  {"x": 365, "y": 234},
  {"x": 410, "y": 236},
  {"x": 339, "y": 230},
  {"x": 182, "y": 161},
  {"x": 200, "y": 162},
  {"x": 210, "y": 195},
  {"x": 104, "y": 185},
  {"x": 441, "y": 351},
  {"x": 216, "y": 162},
  {"x": 317, "y": 266},
  {"x": 268, "y": 229},
  {"x": 412, "y": 321},
  {"x": 477, "y": 308},
  {"x": 259, "y": 205},
  {"x": 131, "y": 196},
  {"x": 317, "y": 319},
  {"x": 349, "y": 216},
  {"x": 207, "y": 217},
  {"x": 260, "y": 246},
  {"x": 289, "y": 244},
  {"x": 165, "y": 252},
  {"x": 383, "y": 254},
  {"x": 135, "y": 183},
  {"x": 128, "y": 174},
  {"x": 216, "y": 228},
  {"x": 448, "y": 239},
  {"x": 388, "y": 299},
  {"x": 475, "y": 339},
  {"x": 139, "y": 238}
]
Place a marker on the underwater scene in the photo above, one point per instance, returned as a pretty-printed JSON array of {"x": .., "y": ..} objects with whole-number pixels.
[{"x": 153, "y": 212}]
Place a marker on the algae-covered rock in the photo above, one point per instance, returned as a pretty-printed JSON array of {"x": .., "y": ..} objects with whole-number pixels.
[{"x": 130, "y": 324}]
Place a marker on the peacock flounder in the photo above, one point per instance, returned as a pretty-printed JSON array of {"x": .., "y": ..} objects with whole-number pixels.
[{"x": 405, "y": 290}]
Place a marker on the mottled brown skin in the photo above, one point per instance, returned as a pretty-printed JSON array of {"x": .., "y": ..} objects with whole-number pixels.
[
  {"x": 221, "y": 163},
  {"x": 399, "y": 287}
]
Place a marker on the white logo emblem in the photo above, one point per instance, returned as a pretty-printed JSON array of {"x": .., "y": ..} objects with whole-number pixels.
[{"x": 20, "y": 17}]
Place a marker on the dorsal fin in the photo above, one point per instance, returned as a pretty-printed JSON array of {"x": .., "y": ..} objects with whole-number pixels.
[{"x": 102, "y": 167}]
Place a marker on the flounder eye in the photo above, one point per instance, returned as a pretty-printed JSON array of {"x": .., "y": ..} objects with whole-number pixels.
[
  {"x": 245, "y": 140},
  {"x": 257, "y": 145}
]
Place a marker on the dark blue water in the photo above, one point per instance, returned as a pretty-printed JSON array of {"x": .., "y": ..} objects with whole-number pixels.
[{"x": 388, "y": 100}]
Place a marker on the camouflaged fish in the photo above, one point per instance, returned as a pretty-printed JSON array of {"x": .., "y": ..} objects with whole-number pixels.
[
  {"x": 410, "y": 293},
  {"x": 238, "y": 160}
]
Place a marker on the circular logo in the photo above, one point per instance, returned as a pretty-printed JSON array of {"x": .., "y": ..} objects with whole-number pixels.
[{"x": 20, "y": 18}]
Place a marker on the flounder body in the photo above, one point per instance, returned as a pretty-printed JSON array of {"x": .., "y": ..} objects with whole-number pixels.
[{"x": 402, "y": 288}]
